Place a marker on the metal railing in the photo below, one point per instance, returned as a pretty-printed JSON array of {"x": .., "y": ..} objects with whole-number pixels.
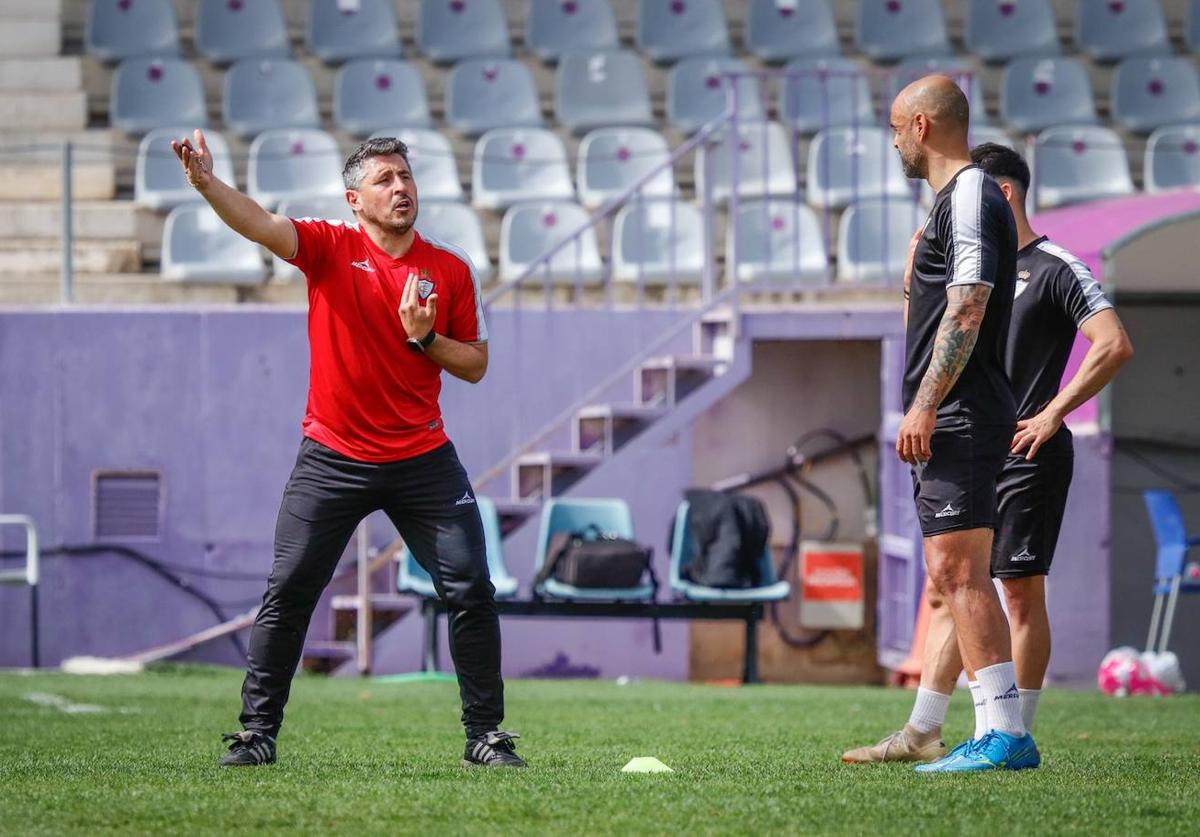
[{"x": 29, "y": 575}]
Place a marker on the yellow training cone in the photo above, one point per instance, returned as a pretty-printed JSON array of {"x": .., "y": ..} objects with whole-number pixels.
[{"x": 646, "y": 764}]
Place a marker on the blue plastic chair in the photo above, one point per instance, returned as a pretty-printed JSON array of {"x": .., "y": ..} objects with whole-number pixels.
[
  {"x": 772, "y": 589},
  {"x": 414, "y": 579},
  {"x": 610, "y": 516},
  {"x": 1173, "y": 544}
]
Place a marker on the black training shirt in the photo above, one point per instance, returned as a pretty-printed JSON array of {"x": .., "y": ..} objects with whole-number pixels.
[
  {"x": 970, "y": 238},
  {"x": 1055, "y": 294}
]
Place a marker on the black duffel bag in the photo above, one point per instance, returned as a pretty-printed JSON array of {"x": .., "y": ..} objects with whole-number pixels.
[{"x": 592, "y": 559}]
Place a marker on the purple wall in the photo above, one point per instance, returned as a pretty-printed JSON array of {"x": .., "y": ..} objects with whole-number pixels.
[{"x": 213, "y": 399}]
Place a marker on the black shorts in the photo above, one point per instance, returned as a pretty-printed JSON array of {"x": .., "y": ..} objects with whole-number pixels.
[
  {"x": 1032, "y": 497},
  {"x": 956, "y": 488}
]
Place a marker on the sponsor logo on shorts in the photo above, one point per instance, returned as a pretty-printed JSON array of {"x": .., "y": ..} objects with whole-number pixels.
[
  {"x": 1012, "y": 694},
  {"x": 1023, "y": 555},
  {"x": 949, "y": 511},
  {"x": 467, "y": 500},
  {"x": 363, "y": 265}
]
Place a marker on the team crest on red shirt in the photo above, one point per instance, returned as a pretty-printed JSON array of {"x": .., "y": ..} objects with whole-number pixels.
[{"x": 424, "y": 285}]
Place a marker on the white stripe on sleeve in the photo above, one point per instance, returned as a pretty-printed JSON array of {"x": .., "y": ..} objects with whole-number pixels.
[
  {"x": 1093, "y": 296},
  {"x": 967, "y": 208}
]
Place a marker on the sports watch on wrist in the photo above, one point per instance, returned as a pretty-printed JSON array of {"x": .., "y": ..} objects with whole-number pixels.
[{"x": 424, "y": 343}]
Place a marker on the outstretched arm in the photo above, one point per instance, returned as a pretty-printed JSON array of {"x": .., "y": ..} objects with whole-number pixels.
[
  {"x": 952, "y": 347},
  {"x": 1109, "y": 351},
  {"x": 241, "y": 213}
]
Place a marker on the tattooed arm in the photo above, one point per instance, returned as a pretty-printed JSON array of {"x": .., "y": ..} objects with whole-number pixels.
[{"x": 952, "y": 347}]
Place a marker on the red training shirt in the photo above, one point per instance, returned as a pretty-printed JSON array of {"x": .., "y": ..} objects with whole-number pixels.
[{"x": 370, "y": 397}]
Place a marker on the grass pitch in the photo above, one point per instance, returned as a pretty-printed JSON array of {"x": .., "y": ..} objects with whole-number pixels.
[{"x": 137, "y": 754}]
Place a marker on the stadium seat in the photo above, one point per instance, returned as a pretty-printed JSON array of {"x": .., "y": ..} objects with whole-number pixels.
[
  {"x": 431, "y": 158},
  {"x": 658, "y": 243},
  {"x": 1109, "y": 30},
  {"x": 1148, "y": 93},
  {"x": 555, "y": 27},
  {"x": 978, "y": 135},
  {"x": 230, "y": 30},
  {"x": 1036, "y": 93},
  {"x": 821, "y": 93},
  {"x": 159, "y": 182},
  {"x": 771, "y": 589},
  {"x": 457, "y": 224},
  {"x": 149, "y": 93},
  {"x": 530, "y": 230},
  {"x": 412, "y": 577},
  {"x": 375, "y": 93},
  {"x": 519, "y": 164},
  {"x": 340, "y": 31},
  {"x": 1076, "y": 163},
  {"x": 453, "y": 30},
  {"x": 612, "y": 160},
  {"x": 846, "y": 165},
  {"x": 778, "y": 241},
  {"x": 1173, "y": 543},
  {"x": 611, "y": 517},
  {"x": 873, "y": 240},
  {"x": 668, "y": 30},
  {"x": 765, "y": 165},
  {"x": 911, "y": 69},
  {"x": 1173, "y": 158},
  {"x": 197, "y": 246},
  {"x": 779, "y": 30},
  {"x": 1001, "y": 30},
  {"x": 118, "y": 29},
  {"x": 697, "y": 93},
  {"x": 888, "y": 30},
  {"x": 293, "y": 163},
  {"x": 482, "y": 94},
  {"x": 601, "y": 89},
  {"x": 330, "y": 208},
  {"x": 264, "y": 94}
]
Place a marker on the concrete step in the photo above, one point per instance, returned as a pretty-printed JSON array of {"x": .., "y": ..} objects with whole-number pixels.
[
  {"x": 606, "y": 428},
  {"x": 29, "y": 74},
  {"x": 54, "y": 110},
  {"x": 112, "y": 220},
  {"x": 545, "y": 474},
  {"x": 31, "y": 9},
  {"x": 36, "y": 181},
  {"x": 44, "y": 255},
  {"x": 111, "y": 289},
  {"x": 30, "y": 36}
]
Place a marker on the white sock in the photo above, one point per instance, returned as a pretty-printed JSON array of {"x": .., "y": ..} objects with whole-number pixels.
[
  {"x": 981, "y": 716},
  {"x": 929, "y": 710},
  {"x": 1029, "y": 702},
  {"x": 999, "y": 686}
]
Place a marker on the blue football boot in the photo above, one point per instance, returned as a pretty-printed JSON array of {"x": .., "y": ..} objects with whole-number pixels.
[{"x": 994, "y": 751}]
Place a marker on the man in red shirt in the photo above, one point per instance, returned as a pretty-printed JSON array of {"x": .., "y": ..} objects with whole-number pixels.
[{"x": 388, "y": 310}]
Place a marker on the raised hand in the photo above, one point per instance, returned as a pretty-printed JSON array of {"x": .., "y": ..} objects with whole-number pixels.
[
  {"x": 418, "y": 319},
  {"x": 196, "y": 159}
]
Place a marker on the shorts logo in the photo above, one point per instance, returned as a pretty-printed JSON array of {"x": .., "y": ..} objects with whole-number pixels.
[
  {"x": 363, "y": 265},
  {"x": 949, "y": 511},
  {"x": 1012, "y": 694},
  {"x": 1023, "y": 555},
  {"x": 467, "y": 500}
]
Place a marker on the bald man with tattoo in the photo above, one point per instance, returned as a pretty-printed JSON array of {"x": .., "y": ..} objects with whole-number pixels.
[{"x": 959, "y": 420}]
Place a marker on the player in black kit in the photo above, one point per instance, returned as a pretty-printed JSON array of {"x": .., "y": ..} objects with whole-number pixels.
[{"x": 959, "y": 420}]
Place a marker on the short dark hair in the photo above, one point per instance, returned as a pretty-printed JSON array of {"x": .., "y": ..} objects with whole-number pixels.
[
  {"x": 1001, "y": 161},
  {"x": 352, "y": 172}
]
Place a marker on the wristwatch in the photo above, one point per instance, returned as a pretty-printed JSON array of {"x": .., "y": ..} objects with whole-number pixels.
[{"x": 424, "y": 343}]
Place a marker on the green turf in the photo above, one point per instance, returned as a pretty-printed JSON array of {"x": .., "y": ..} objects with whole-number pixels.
[{"x": 376, "y": 757}]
